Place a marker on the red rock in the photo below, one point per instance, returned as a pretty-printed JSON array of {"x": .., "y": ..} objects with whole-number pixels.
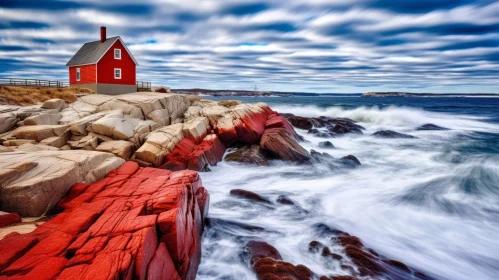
[
  {"x": 137, "y": 223},
  {"x": 12, "y": 248},
  {"x": 267, "y": 263},
  {"x": 277, "y": 121},
  {"x": 51, "y": 246},
  {"x": 188, "y": 155},
  {"x": 259, "y": 250},
  {"x": 46, "y": 270},
  {"x": 282, "y": 145},
  {"x": 7, "y": 219},
  {"x": 243, "y": 124},
  {"x": 161, "y": 266}
]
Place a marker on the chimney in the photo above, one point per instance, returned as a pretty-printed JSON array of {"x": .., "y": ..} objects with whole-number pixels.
[{"x": 102, "y": 34}]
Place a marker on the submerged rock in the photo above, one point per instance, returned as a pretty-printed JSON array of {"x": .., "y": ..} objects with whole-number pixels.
[
  {"x": 366, "y": 260},
  {"x": 231, "y": 225},
  {"x": 282, "y": 199},
  {"x": 430, "y": 126},
  {"x": 326, "y": 144},
  {"x": 344, "y": 128},
  {"x": 392, "y": 134},
  {"x": 249, "y": 196},
  {"x": 267, "y": 263},
  {"x": 258, "y": 250},
  {"x": 351, "y": 158},
  {"x": 302, "y": 122},
  {"x": 336, "y": 126}
]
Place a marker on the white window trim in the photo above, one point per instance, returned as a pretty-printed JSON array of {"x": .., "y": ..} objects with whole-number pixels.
[
  {"x": 119, "y": 51},
  {"x": 121, "y": 74},
  {"x": 78, "y": 74}
]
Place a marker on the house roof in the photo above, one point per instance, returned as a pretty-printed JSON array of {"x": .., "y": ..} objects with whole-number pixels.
[{"x": 92, "y": 52}]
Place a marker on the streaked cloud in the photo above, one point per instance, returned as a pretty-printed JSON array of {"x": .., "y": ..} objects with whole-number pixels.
[{"x": 313, "y": 45}]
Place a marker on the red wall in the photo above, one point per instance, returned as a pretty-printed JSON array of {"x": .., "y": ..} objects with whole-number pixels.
[
  {"x": 105, "y": 67},
  {"x": 87, "y": 74}
]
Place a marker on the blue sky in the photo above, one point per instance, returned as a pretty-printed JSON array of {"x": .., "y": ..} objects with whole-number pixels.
[{"x": 338, "y": 46}]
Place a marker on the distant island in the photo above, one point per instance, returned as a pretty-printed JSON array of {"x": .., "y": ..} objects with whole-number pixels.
[
  {"x": 200, "y": 91},
  {"x": 411, "y": 94}
]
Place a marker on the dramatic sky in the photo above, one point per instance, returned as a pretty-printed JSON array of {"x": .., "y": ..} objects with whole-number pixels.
[{"x": 301, "y": 45}]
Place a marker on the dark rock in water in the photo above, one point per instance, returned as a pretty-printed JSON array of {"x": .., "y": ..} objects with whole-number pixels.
[
  {"x": 322, "y": 230},
  {"x": 267, "y": 263},
  {"x": 286, "y": 115},
  {"x": 249, "y": 196},
  {"x": 326, "y": 252},
  {"x": 351, "y": 158},
  {"x": 342, "y": 277},
  {"x": 326, "y": 144},
  {"x": 301, "y": 122},
  {"x": 346, "y": 239},
  {"x": 342, "y": 128},
  {"x": 315, "y": 246},
  {"x": 230, "y": 225},
  {"x": 320, "y": 157},
  {"x": 422, "y": 276},
  {"x": 281, "y": 145},
  {"x": 282, "y": 199},
  {"x": 253, "y": 154},
  {"x": 430, "y": 126},
  {"x": 337, "y": 126},
  {"x": 391, "y": 134},
  {"x": 321, "y": 134},
  {"x": 259, "y": 250},
  {"x": 367, "y": 264},
  {"x": 399, "y": 265}
]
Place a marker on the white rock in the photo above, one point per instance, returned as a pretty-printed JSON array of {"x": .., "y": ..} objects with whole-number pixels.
[
  {"x": 32, "y": 183},
  {"x": 159, "y": 144},
  {"x": 38, "y": 132},
  {"x": 196, "y": 129},
  {"x": 57, "y": 104},
  {"x": 119, "y": 148},
  {"x": 7, "y": 121},
  {"x": 89, "y": 142},
  {"x": 35, "y": 148},
  {"x": 18, "y": 142},
  {"x": 51, "y": 119}
]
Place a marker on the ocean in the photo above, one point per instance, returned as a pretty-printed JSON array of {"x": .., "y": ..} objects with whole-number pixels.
[{"x": 431, "y": 202}]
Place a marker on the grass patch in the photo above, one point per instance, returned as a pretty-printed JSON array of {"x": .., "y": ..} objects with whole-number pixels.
[{"x": 23, "y": 95}]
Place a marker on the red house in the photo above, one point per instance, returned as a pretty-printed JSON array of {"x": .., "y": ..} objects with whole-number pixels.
[{"x": 105, "y": 66}]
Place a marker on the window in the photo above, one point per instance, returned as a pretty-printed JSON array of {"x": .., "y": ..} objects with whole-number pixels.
[
  {"x": 77, "y": 74},
  {"x": 117, "y": 54},
  {"x": 117, "y": 73}
]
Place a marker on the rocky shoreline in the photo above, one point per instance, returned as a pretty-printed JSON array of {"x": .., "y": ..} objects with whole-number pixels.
[{"x": 116, "y": 180}]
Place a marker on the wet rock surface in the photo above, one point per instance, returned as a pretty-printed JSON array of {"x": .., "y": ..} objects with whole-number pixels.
[
  {"x": 281, "y": 145},
  {"x": 253, "y": 154},
  {"x": 326, "y": 144},
  {"x": 249, "y": 196},
  {"x": 430, "y": 126},
  {"x": 392, "y": 134},
  {"x": 334, "y": 125}
]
